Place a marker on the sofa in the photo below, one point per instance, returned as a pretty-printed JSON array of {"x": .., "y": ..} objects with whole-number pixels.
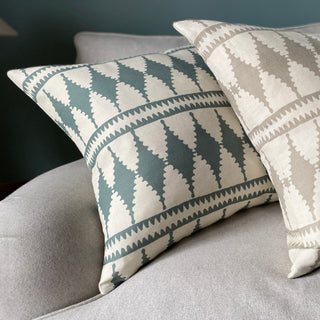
[{"x": 51, "y": 247}]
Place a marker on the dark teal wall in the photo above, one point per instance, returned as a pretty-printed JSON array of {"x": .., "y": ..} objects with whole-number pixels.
[{"x": 30, "y": 142}]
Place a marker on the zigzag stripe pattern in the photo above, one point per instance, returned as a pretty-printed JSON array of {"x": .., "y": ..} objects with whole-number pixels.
[
  {"x": 309, "y": 234},
  {"x": 184, "y": 213},
  {"x": 143, "y": 115},
  {"x": 168, "y": 155},
  {"x": 286, "y": 119},
  {"x": 37, "y": 79},
  {"x": 283, "y": 113},
  {"x": 139, "y": 244},
  {"x": 272, "y": 79},
  {"x": 218, "y": 33}
]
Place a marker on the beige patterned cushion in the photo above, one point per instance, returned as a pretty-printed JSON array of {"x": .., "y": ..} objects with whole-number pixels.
[{"x": 272, "y": 79}]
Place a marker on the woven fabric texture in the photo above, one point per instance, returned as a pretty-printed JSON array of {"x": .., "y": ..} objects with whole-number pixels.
[
  {"x": 272, "y": 79},
  {"x": 167, "y": 153}
]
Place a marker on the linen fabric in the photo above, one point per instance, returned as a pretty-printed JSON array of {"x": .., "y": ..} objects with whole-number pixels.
[
  {"x": 223, "y": 272},
  {"x": 168, "y": 156},
  {"x": 272, "y": 80},
  {"x": 51, "y": 243},
  {"x": 94, "y": 47}
]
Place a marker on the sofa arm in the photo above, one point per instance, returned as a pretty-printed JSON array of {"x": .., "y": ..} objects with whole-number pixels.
[{"x": 51, "y": 243}]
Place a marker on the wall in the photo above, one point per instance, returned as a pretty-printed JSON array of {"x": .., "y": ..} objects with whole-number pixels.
[{"x": 30, "y": 142}]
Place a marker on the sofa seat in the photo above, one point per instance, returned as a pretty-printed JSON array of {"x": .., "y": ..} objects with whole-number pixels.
[
  {"x": 51, "y": 243},
  {"x": 235, "y": 269}
]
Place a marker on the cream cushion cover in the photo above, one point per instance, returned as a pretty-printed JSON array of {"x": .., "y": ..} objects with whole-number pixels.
[{"x": 272, "y": 79}]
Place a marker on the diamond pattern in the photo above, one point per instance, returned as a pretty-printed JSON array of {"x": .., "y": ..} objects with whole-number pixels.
[
  {"x": 208, "y": 148},
  {"x": 104, "y": 199},
  {"x": 180, "y": 156},
  {"x": 153, "y": 177},
  {"x": 302, "y": 55},
  {"x": 123, "y": 183},
  {"x": 133, "y": 78},
  {"x": 186, "y": 68},
  {"x": 248, "y": 75},
  {"x": 79, "y": 98},
  {"x": 302, "y": 171},
  {"x": 233, "y": 144},
  {"x": 102, "y": 84},
  {"x": 160, "y": 71},
  {"x": 65, "y": 113}
]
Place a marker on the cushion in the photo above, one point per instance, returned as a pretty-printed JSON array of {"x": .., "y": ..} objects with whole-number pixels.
[
  {"x": 167, "y": 154},
  {"x": 226, "y": 271},
  {"x": 272, "y": 79},
  {"x": 51, "y": 244},
  {"x": 93, "y": 47}
]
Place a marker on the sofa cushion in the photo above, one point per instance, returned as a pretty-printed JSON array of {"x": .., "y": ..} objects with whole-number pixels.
[
  {"x": 51, "y": 243},
  {"x": 167, "y": 154},
  {"x": 226, "y": 271},
  {"x": 94, "y": 47},
  {"x": 272, "y": 79}
]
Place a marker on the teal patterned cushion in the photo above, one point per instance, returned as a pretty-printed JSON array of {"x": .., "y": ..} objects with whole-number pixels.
[{"x": 167, "y": 154}]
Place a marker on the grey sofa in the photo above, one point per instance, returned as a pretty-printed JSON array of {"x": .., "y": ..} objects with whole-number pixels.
[{"x": 51, "y": 247}]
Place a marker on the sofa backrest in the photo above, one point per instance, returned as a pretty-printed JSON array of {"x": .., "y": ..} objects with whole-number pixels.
[{"x": 94, "y": 47}]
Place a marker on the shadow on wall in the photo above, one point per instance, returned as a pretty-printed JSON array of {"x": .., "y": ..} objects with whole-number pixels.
[{"x": 30, "y": 142}]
